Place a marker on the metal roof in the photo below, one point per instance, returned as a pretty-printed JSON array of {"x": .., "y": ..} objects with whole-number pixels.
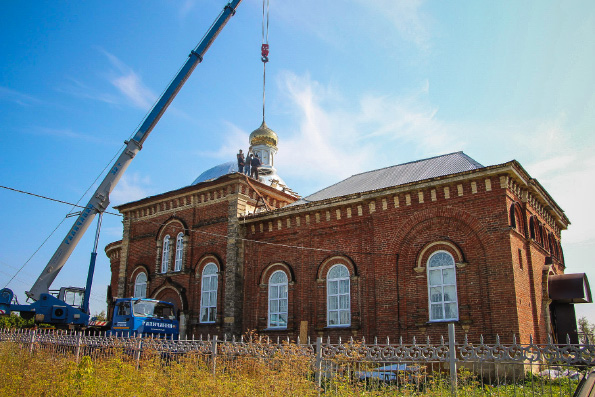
[
  {"x": 569, "y": 288},
  {"x": 397, "y": 175},
  {"x": 219, "y": 170}
]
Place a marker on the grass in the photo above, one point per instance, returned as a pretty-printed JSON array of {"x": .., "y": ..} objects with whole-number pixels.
[{"x": 45, "y": 373}]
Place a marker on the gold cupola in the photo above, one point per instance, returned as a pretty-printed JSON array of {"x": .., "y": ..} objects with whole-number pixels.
[{"x": 263, "y": 135}]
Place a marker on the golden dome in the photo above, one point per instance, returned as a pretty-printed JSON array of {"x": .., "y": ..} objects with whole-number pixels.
[{"x": 263, "y": 135}]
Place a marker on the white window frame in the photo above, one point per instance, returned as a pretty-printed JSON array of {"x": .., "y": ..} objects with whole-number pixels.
[
  {"x": 441, "y": 302},
  {"x": 208, "y": 293},
  {"x": 165, "y": 254},
  {"x": 343, "y": 315},
  {"x": 179, "y": 252},
  {"x": 278, "y": 301},
  {"x": 140, "y": 286}
]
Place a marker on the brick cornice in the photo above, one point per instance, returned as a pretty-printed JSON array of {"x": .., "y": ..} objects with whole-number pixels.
[{"x": 528, "y": 187}]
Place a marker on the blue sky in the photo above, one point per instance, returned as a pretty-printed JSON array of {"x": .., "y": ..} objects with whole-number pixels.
[{"x": 351, "y": 86}]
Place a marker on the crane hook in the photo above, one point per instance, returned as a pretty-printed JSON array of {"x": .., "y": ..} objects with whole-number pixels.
[{"x": 264, "y": 51}]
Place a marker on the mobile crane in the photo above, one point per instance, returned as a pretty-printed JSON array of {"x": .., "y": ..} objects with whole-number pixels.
[{"x": 70, "y": 308}]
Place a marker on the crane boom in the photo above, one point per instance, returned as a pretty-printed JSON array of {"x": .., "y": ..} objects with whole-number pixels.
[{"x": 100, "y": 199}]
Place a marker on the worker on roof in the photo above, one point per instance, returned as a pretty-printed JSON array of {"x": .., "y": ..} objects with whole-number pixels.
[
  {"x": 255, "y": 163},
  {"x": 248, "y": 162},
  {"x": 240, "y": 156}
]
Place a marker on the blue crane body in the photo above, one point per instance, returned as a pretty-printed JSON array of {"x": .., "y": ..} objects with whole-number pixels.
[{"x": 53, "y": 308}]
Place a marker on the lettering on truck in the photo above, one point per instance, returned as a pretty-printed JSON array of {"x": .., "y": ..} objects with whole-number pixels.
[{"x": 154, "y": 324}]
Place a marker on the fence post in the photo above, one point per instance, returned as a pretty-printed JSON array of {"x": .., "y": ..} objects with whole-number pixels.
[
  {"x": 78, "y": 346},
  {"x": 214, "y": 353},
  {"x": 318, "y": 363},
  {"x": 32, "y": 341},
  {"x": 452, "y": 358},
  {"x": 138, "y": 350}
]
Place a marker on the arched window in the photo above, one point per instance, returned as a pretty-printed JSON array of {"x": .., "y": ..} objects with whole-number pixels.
[
  {"x": 278, "y": 300},
  {"x": 208, "y": 294},
  {"x": 512, "y": 216},
  {"x": 165, "y": 255},
  {"x": 179, "y": 252},
  {"x": 140, "y": 286},
  {"x": 338, "y": 302},
  {"x": 442, "y": 287},
  {"x": 532, "y": 224}
]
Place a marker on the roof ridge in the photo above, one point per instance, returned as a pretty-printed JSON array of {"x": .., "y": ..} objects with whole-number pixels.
[
  {"x": 393, "y": 166},
  {"x": 409, "y": 162}
]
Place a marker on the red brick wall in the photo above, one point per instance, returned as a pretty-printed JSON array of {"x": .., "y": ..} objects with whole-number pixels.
[
  {"x": 499, "y": 268},
  {"x": 388, "y": 297}
]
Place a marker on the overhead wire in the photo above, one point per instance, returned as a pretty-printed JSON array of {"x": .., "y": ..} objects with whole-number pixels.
[
  {"x": 51, "y": 199},
  {"x": 62, "y": 221},
  {"x": 300, "y": 247}
]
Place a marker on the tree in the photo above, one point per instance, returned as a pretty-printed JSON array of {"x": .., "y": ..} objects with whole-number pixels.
[
  {"x": 586, "y": 331},
  {"x": 101, "y": 316},
  {"x": 15, "y": 321}
]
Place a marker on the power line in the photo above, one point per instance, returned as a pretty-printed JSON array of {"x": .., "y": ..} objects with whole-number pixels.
[
  {"x": 225, "y": 236},
  {"x": 51, "y": 199}
]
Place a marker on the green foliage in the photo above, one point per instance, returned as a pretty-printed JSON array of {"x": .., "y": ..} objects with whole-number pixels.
[
  {"x": 288, "y": 373},
  {"x": 586, "y": 330},
  {"x": 15, "y": 321},
  {"x": 101, "y": 316}
]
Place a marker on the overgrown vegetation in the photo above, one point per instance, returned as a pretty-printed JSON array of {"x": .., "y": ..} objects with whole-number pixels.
[
  {"x": 117, "y": 373},
  {"x": 15, "y": 321}
]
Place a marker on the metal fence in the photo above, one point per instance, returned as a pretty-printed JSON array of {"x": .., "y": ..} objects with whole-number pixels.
[{"x": 419, "y": 367}]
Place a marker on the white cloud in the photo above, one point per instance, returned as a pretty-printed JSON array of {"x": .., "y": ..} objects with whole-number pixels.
[
  {"x": 132, "y": 87},
  {"x": 67, "y": 134},
  {"x": 395, "y": 22},
  {"x": 234, "y": 138},
  {"x": 82, "y": 90},
  {"x": 130, "y": 84},
  {"x": 131, "y": 187},
  {"x": 336, "y": 138},
  {"x": 568, "y": 179},
  {"x": 17, "y": 97},
  {"x": 406, "y": 16},
  {"x": 185, "y": 8}
]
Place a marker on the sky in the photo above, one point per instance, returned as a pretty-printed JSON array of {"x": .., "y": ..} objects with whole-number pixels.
[{"x": 351, "y": 86}]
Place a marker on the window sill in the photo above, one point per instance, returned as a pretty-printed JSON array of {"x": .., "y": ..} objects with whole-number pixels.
[
  {"x": 443, "y": 321},
  {"x": 171, "y": 272},
  {"x": 274, "y": 329},
  {"x": 338, "y": 326}
]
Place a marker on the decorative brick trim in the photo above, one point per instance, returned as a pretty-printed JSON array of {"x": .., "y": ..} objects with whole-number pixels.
[
  {"x": 272, "y": 268},
  {"x": 329, "y": 262},
  {"x": 437, "y": 246}
]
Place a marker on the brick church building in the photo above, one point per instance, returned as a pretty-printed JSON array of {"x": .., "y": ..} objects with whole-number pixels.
[{"x": 399, "y": 251}]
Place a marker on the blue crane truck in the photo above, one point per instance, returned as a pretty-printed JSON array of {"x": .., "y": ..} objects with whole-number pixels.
[{"x": 69, "y": 306}]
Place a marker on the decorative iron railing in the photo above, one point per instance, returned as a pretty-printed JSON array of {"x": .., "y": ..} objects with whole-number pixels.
[{"x": 495, "y": 364}]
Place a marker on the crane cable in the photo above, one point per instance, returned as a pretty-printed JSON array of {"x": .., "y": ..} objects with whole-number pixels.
[{"x": 264, "y": 49}]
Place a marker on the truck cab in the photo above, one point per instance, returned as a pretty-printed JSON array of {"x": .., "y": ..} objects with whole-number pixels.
[{"x": 143, "y": 316}]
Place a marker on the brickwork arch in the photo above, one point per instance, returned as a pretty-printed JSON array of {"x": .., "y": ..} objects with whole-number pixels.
[
  {"x": 136, "y": 270},
  {"x": 334, "y": 260},
  {"x": 134, "y": 274},
  {"x": 455, "y": 215},
  {"x": 516, "y": 218},
  {"x": 443, "y": 245},
  {"x": 172, "y": 226},
  {"x": 171, "y": 294},
  {"x": 273, "y": 267},
  {"x": 466, "y": 238},
  {"x": 205, "y": 260}
]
